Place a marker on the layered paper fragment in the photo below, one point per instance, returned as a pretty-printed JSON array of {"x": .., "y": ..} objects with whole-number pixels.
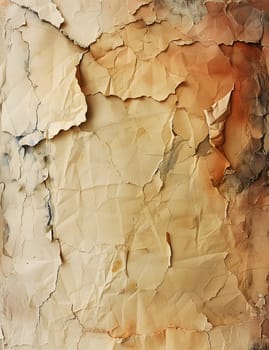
[{"x": 42, "y": 87}]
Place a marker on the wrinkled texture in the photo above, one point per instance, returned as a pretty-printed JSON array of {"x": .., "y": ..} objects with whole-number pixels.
[{"x": 134, "y": 174}]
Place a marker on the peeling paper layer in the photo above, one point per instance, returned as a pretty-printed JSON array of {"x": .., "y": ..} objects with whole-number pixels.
[
  {"x": 45, "y": 112},
  {"x": 134, "y": 175},
  {"x": 46, "y": 10}
]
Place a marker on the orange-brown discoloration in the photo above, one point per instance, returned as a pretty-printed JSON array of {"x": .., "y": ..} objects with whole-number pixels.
[
  {"x": 117, "y": 265},
  {"x": 247, "y": 66},
  {"x": 260, "y": 4},
  {"x": 124, "y": 331},
  {"x": 248, "y": 259},
  {"x": 4, "y": 3},
  {"x": 217, "y": 164}
]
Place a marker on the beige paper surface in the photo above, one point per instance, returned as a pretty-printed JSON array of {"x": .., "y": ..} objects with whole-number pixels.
[{"x": 134, "y": 175}]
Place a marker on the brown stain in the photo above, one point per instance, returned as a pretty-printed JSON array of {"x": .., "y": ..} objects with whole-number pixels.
[
  {"x": 226, "y": 23},
  {"x": 209, "y": 76},
  {"x": 245, "y": 66},
  {"x": 248, "y": 222},
  {"x": 141, "y": 132},
  {"x": 248, "y": 258},
  {"x": 248, "y": 64},
  {"x": 129, "y": 331},
  {"x": 265, "y": 328},
  {"x": 217, "y": 164},
  {"x": 240, "y": 13},
  {"x": 123, "y": 332},
  {"x": 116, "y": 265},
  {"x": 260, "y": 4},
  {"x": 131, "y": 287}
]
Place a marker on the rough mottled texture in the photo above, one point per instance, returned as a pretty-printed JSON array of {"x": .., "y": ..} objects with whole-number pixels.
[{"x": 134, "y": 175}]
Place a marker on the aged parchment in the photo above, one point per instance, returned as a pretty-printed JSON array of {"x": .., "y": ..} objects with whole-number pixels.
[{"x": 134, "y": 174}]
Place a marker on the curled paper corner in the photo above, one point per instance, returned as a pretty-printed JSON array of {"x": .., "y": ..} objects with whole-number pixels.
[
  {"x": 45, "y": 9},
  {"x": 216, "y": 117}
]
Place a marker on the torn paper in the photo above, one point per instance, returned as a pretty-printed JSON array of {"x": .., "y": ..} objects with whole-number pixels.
[{"x": 134, "y": 175}]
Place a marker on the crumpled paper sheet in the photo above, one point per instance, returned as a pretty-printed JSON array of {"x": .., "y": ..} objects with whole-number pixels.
[{"x": 134, "y": 197}]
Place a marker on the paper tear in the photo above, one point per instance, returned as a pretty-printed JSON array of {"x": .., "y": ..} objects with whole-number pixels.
[{"x": 46, "y": 10}]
